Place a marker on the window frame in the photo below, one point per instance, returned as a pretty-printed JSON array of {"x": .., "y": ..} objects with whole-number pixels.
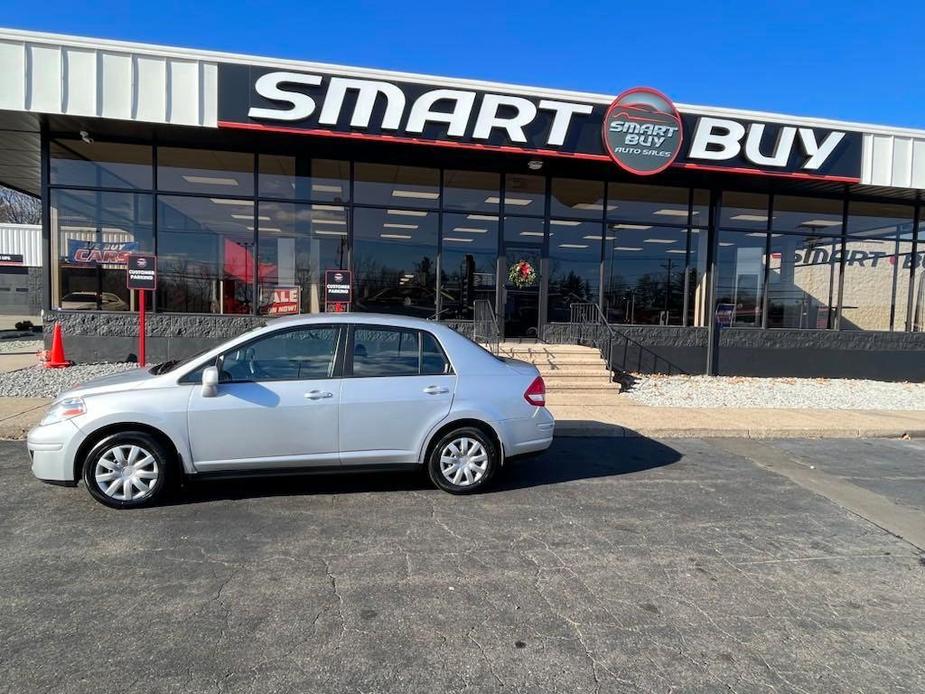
[{"x": 419, "y": 333}]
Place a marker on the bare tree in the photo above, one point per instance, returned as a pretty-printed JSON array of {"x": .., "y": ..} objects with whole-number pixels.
[{"x": 19, "y": 208}]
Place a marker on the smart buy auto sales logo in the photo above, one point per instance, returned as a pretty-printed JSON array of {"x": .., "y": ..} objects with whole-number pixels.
[{"x": 642, "y": 131}]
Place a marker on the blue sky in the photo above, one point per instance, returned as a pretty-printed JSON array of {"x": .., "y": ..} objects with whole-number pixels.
[{"x": 854, "y": 60}]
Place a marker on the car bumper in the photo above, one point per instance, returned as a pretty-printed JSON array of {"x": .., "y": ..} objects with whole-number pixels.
[
  {"x": 52, "y": 449},
  {"x": 529, "y": 435}
]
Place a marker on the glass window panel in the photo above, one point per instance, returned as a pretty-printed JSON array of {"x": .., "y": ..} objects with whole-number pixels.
[
  {"x": 392, "y": 185},
  {"x": 205, "y": 171},
  {"x": 656, "y": 205},
  {"x": 807, "y": 215},
  {"x": 385, "y": 352},
  {"x": 296, "y": 244},
  {"x": 572, "y": 197},
  {"x": 471, "y": 190},
  {"x": 524, "y": 194},
  {"x": 433, "y": 360},
  {"x": 876, "y": 283},
  {"x": 100, "y": 164},
  {"x": 740, "y": 278},
  {"x": 917, "y": 318},
  {"x": 469, "y": 262},
  {"x": 574, "y": 265},
  {"x": 300, "y": 178},
  {"x": 395, "y": 262},
  {"x": 803, "y": 281},
  {"x": 93, "y": 231},
  {"x": 696, "y": 277},
  {"x": 874, "y": 219},
  {"x": 526, "y": 230},
  {"x": 644, "y": 270},
  {"x": 205, "y": 252},
  {"x": 293, "y": 355},
  {"x": 744, "y": 211}
]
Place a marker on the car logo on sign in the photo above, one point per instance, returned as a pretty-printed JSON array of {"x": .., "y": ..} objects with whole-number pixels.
[
  {"x": 642, "y": 131},
  {"x": 142, "y": 262},
  {"x": 338, "y": 277}
]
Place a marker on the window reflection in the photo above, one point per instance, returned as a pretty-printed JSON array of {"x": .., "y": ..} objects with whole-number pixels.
[
  {"x": 205, "y": 171},
  {"x": 656, "y": 205},
  {"x": 740, "y": 278},
  {"x": 100, "y": 164},
  {"x": 803, "y": 281},
  {"x": 524, "y": 194},
  {"x": 300, "y": 178},
  {"x": 93, "y": 232},
  {"x": 399, "y": 186},
  {"x": 468, "y": 262},
  {"x": 471, "y": 190},
  {"x": 297, "y": 243},
  {"x": 574, "y": 265},
  {"x": 645, "y": 268},
  {"x": 744, "y": 211},
  {"x": 205, "y": 254},
  {"x": 807, "y": 215},
  {"x": 395, "y": 261},
  {"x": 571, "y": 197}
]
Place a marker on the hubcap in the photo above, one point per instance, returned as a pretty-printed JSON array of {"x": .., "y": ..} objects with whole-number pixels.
[
  {"x": 463, "y": 461},
  {"x": 126, "y": 473}
]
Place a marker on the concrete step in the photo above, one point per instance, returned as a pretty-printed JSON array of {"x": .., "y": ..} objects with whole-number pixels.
[
  {"x": 508, "y": 348},
  {"x": 567, "y": 371},
  {"x": 590, "y": 358},
  {"x": 554, "y": 385}
]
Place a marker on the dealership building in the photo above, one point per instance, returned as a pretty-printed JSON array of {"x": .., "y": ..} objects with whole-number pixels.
[{"x": 705, "y": 239}]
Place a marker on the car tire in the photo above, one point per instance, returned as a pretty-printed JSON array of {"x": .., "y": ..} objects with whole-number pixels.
[
  {"x": 463, "y": 461},
  {"x": 129, "y": 469}
]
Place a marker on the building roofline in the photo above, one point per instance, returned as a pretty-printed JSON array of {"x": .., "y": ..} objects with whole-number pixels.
[{"x": 156, "y": 50}]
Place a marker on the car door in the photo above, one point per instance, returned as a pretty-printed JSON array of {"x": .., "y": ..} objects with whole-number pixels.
[
  {"x": 398, "y": 384},
  {"x": 276, "y": 405}
]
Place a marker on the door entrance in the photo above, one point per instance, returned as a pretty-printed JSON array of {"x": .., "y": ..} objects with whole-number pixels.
[{"x": 521, "y": 300}]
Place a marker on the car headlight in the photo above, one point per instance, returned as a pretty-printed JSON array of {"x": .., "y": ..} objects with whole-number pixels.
[{"x": 64, "y": 409}]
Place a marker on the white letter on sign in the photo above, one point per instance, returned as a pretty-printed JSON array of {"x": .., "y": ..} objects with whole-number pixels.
[
  {"x": 781, "y": 150},
  {"x": 818, "y": 153},
  {"x": 268, "y": 87},
  {"x": 367, "y": 91},
  {"x": 458, "y": 118},
  {"x": 716, "y": 132},
  {"x": 488, "y": 117},
  {"x": 564, "y": 112}
]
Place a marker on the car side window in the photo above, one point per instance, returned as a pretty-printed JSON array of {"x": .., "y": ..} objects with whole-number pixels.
[
  {"x": 433, "y": 360},
  {"x": 288, "y": 355},
  {"x": 385, "y": 352}
]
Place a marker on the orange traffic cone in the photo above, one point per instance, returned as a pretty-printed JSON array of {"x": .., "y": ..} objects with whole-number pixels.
[{"x": 55, "y": 359}]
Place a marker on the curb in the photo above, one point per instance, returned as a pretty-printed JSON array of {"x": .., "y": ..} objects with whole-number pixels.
[{"x": 564, "y": 429}]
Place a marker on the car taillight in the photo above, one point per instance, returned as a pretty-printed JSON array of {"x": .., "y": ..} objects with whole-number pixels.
[{"x": 536, "y": 393}]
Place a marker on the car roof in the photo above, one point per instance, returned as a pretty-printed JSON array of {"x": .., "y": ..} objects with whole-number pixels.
[{"x": 359, "y": 318}]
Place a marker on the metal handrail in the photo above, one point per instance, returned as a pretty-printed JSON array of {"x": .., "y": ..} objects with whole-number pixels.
[{"x": 485, "y": 326}]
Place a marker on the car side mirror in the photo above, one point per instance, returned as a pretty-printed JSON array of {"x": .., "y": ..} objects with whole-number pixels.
[{"x": 209, "y": 382}]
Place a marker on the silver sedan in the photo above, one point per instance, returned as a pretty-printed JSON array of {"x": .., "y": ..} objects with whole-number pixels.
[{"x": 304, "y": 394}]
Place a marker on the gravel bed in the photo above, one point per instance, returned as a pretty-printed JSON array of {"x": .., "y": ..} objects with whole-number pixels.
[
  {"x": 741, "y": 391},
  {"x": 37, "y": 381},
  {"x": 28, "y": 345}
]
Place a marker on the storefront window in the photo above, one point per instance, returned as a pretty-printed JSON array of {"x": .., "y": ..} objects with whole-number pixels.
[
  {"x": 205, "y": 171},
  {"x": 475, "y": 191},
  {"x": 93, "y": 231},
  {"x": 205, "y": 252},
  {"x": 574, "y": 265},
  {"x": 468, "y": 263},
  {"x": 917, "y": 317},
  {"x": 395, "y": 262},
  {"x": 296, "y": 244},
  {"x": 645, "y": 274},
  {"x": 655, "y": 205},
  {"x": 300, "y": 178},
  {"x": 878, "y": 254},
  {"x": 803, "y": 281},
  {"x": 100, "y": 164},
  {"x": 744, "y": 211},
  {"x": 572, "y": 197},
  {"x": 398, "y": 186},
  {"x": 740, "y": 279},
  {"x": 524, "y": 194},
  {"x": 807, "y": 215}
]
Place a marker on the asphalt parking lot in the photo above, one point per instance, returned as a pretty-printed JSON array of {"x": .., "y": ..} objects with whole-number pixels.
[{"x": 605, "y": 565}]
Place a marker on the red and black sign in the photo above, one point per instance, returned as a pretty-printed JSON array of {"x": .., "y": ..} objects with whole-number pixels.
[
  {"x": 642, "y": 131},
  {"x": 141, "y": 271},
  {"x": 15, "y": 259},
  {"x": 338, "y": 290}
]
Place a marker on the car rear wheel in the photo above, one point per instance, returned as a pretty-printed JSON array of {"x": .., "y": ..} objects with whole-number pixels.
[
  {"x": 463, "y": 461},
  {"x": 127, "y": 470}
]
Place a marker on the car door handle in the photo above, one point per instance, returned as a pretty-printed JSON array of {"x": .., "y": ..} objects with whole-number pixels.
[
  {"x": 318, "y": 394},
  {"x": 436, "y": 390}
]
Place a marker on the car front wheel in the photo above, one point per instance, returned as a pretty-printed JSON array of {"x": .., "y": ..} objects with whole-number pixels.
[
  {"x": 127, "y": 470},
  {"x": 463, "y": 461}
]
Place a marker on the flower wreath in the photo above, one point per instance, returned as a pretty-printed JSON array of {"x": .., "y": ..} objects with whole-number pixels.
[{"x": 522, "y": 274}]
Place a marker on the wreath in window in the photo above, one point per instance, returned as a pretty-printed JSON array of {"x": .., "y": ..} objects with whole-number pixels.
[{"x": 522, "y": 274}]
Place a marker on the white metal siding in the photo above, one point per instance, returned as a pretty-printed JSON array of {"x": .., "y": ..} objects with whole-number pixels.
[
  {"x": 894, "y": 161},
  {"x": 22, "y": 239},
  {"x": 52, "y": 77}
]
